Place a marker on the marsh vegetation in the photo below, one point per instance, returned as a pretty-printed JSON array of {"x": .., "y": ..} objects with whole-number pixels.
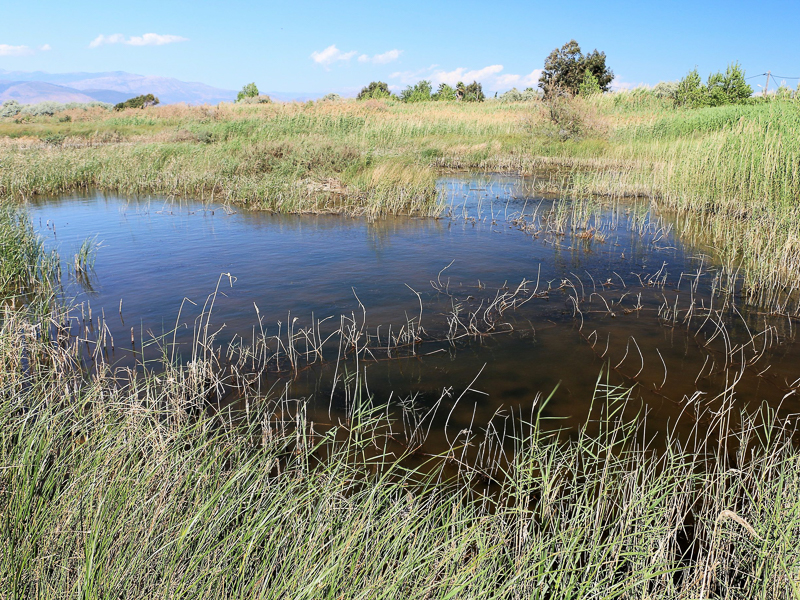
[{"x": 192, "y": 461}]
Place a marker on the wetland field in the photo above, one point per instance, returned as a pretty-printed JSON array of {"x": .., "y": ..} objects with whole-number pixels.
[{"x": 371, "y": 349}]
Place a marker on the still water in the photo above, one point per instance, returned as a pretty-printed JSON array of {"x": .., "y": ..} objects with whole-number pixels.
[{"x": 615, "y": 280}]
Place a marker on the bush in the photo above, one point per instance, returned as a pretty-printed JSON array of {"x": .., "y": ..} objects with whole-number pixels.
[
  {"x": 331, "y": 98},
  {"x": 138, "y": 102},
  {"x": 10, "y": 108},
  {"x": 248, "y": 91},
  {"x": 42, "y": 109},
  {"x": 514, "y": 95},
  {"x": 375, "y": 90},
  {"x": 666, "y": 89},
  {"x": 260, "y": 99}
]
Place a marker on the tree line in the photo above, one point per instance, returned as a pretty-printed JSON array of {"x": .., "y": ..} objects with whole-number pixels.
[{"x": 568, "y": 72}]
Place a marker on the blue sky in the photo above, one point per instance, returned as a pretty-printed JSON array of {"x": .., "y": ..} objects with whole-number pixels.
[{"x": 317, "y": 47}]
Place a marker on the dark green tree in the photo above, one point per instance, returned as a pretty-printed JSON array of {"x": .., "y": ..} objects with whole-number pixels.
[
  {"x": 138, "y": 102},
  {"x": 565, "y": 69},
  {"x": 474, "y": 92},
  {"x": 376, "y": 89},
  {"x": 248, "y": 91}
]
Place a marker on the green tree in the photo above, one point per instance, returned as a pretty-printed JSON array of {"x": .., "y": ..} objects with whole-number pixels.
[
  {"x": 421, "y": 92},
  {"x": 720, "y": 89},
  {"x": 691, "y": 91},
  {"x": 565, "y": 69},
  {"x": 376, "y": 89},
  {"x": 736, "y": 88},
  {"x": 473, "y": 92},
  {"x": 444, "y": 92},
  {"x": 248, "y": 91}
]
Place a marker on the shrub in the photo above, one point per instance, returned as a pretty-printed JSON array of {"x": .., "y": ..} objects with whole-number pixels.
[
  {"x": 666, "y": 89},
  {"x": 375, "y": 90},
  {"x": 514, "y": 95},
  {"x": 331, "y": 98},
  {"x": 42, "y": 109},
  {"x": 248, "y": 91},
  {"x": 138, "y": 102},
  {"x": 260, "y": 99},
  {"x": 10, "y": 108}
]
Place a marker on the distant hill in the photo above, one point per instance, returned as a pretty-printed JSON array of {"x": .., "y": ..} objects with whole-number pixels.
[
  {"x": 114, "y": 86},
  {"x": 32, "y": 92}
]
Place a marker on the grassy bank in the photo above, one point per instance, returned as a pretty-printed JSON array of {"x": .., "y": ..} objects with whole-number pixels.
[{"x": 135, "y": 485}]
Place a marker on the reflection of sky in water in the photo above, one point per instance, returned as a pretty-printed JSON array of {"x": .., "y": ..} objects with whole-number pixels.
[{"x": 154, "y": 254}]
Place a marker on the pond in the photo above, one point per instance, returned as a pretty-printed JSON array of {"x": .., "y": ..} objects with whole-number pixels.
[{"x": 605, "y": 289}]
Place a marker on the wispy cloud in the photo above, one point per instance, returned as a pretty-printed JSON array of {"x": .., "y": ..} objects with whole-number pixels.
[
  {"x": 45, "y": 47},
  {"x": 6, "y": 50},
  {"x": 148, "y": 39},
  {"x": 387, "y": 57},
  {"x": 330, "y": 55},
  {"x": 462, "y": 74}
]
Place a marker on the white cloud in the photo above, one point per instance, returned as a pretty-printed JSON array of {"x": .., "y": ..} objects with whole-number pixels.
[
  {"x": 618, "y": 85},
  {"x": 148, "y": 39},
  {"x": 387, "y": 57},
  {"x": 492, "y": 77},
  {"x": 6, "y": 50},
  {"x": 45, "y": 48},
  {"x": 330, "y": 55},
  {"x": 381, "y": 59},
  {"x": 462, "y": 74},
  {"x": 507, "y": 80}
]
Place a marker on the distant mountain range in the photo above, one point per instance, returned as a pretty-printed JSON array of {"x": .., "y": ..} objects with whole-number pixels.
[{"x": 113, "y": 87}]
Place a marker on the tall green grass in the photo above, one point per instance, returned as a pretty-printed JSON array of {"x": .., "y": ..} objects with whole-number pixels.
[
  {"x": 138, "y": 490},
  {"x": 28, "y": 272}
]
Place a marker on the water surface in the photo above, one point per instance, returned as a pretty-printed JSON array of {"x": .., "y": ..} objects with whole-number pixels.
[{"x": 159, "y": 260}]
